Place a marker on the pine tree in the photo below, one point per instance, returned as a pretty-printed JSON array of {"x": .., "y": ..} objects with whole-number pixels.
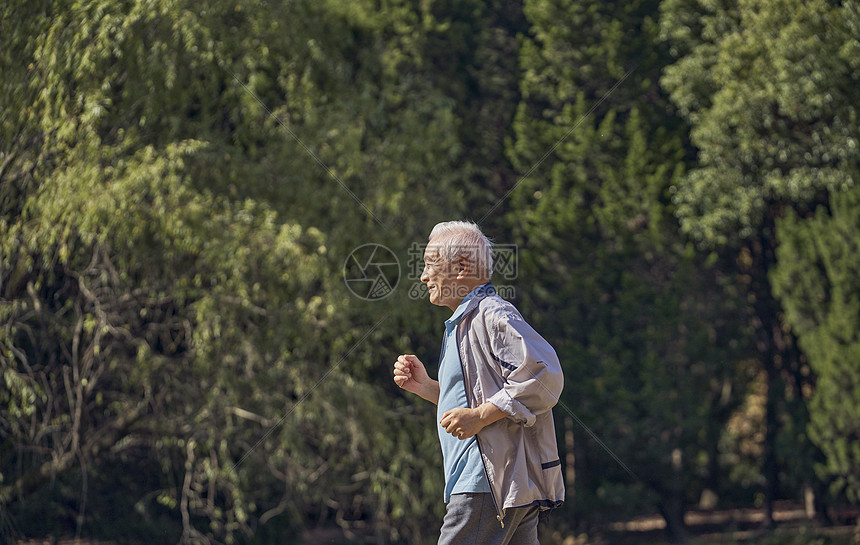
[
  {"x": 817, "y": 281},
  {"x": 770, "y": 91},
  {"x": 641, "y": 324}
]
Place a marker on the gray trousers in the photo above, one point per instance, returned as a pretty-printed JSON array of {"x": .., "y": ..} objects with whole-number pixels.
[{"x": 470, "y": 519}]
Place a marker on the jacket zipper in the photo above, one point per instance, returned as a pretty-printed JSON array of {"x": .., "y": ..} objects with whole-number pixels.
[{"x": 492, "y": 493}]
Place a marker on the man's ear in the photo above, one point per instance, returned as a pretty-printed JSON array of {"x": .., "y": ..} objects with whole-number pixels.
[{"x": 463, "y": 268}]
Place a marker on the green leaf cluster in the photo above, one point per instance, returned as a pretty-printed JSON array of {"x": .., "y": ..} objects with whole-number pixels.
[
  {"x": 770, "y": 91},
  {"x": 181, "y": 185},
  {"x": 645, "y": 329},
  {"x": 817, "y": 282}
]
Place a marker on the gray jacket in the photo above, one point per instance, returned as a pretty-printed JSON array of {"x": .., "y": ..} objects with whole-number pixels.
[{"x": 506, "y": 362}]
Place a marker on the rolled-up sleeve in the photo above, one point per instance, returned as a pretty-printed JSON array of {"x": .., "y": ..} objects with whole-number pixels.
[{"x": 532, "y": 374}]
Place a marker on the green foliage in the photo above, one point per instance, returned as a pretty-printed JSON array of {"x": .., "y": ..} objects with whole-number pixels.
[
  {"x": 172, "y": 253},
  {"x": 114, "y": 346},
  {"x": 770, "y": 89},
  {"x": 181, "y": 184},
  {"x": 646, "y": 334},
  {"x": 817, "y": 281}
]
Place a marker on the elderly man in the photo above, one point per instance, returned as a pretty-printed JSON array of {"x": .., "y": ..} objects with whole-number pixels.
[{"x": 498, "y": 381}]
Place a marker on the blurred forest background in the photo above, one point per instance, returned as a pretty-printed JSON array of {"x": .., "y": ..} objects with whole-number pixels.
[{"x": 181, "y": 184}]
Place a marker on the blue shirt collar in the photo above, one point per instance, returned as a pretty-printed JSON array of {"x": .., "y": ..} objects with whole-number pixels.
[{"x": 481, "y": 291}]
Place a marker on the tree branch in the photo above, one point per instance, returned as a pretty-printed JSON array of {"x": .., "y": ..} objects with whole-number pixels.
[{"x": 34, "y": 479}]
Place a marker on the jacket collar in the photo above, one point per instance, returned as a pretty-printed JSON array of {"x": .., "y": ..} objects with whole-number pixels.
[{"x": 479, "y": 293}]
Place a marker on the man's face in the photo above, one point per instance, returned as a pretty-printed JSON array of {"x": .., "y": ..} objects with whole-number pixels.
[{"x": 441, "y": 279}]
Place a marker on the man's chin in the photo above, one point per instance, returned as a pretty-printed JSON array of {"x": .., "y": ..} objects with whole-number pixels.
[{"x": 434, "y": 299}]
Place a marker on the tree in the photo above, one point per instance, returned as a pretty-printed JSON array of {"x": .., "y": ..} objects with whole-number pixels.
[
  {"x": 816, "y": 281},
  {"x": 108, "y": 352},
  {"x": 171, "y": 266},
  {"x": 769, "y": 91},
  {"x": 642, "y": 325}
]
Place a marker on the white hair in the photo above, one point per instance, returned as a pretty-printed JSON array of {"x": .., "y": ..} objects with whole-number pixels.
[{"x": 457, "y": 239}]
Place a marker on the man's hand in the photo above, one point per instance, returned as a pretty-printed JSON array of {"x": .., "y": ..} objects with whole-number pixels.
[
  {"x": 411, "y": 375},
  {"x": 464, "y": 423}
]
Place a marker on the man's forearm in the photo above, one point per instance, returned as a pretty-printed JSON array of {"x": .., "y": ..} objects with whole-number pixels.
[
  {"x": 489, "y": 413},
  {"x": 431, "y": 392},
  {"x": 463, "y": 423}
]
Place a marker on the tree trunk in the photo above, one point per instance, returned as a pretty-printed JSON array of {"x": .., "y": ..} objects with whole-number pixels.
[
  {"x": 672, "y": 510},
  {"x": 672, "y": 505},
  {"x": 777, "y": 353},
  {"x": 569, "y": 461},
  {"x": 770, "y": 468},
  {"x": 711, "y": 494}
]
